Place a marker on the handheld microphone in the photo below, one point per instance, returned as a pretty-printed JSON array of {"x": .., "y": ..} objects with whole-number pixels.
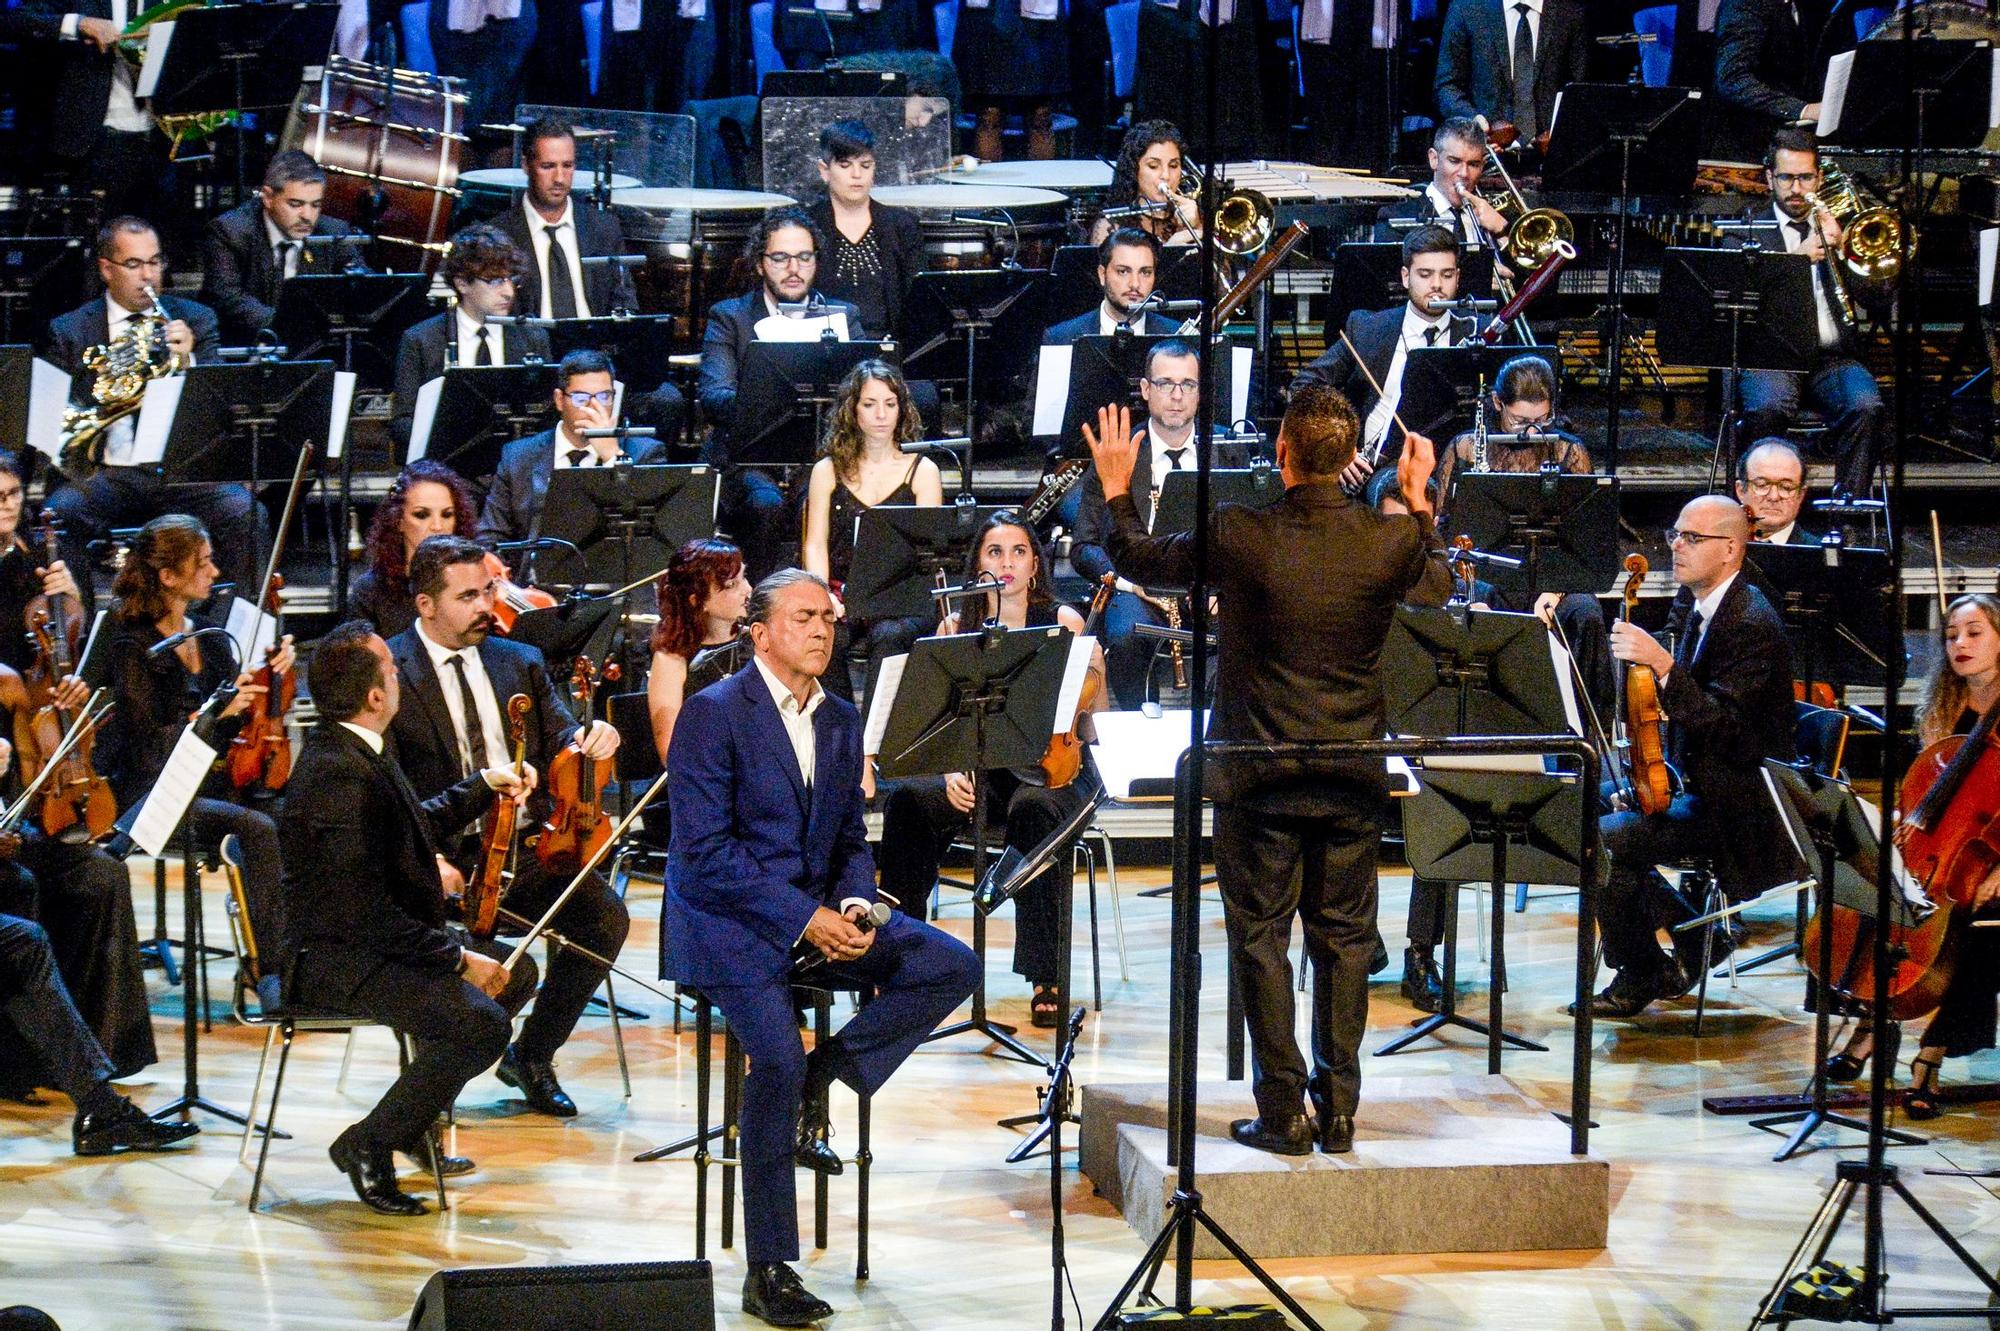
[{"x": 805, "y": 956}]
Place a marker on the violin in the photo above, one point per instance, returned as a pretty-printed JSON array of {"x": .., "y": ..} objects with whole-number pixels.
[
  {"x": 1063, "y": 759},
  {"x": 1648, "y": 782},
  {"x": 577, "y": 827},
  {"x": 479, "y": 908},
  {"x": 77, "y": 804},
  {"x": 510, "y": 599},
  {"x": 261, "y": 754}
]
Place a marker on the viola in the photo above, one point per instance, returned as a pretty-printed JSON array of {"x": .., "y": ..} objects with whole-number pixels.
[
  {"x": 1649, "y": 782},
  {"x": 1063, "y": 759},
  {"x": 479, "y": 908},
  {"x": 261, "y": 754},
  {"x": 77, "y": 803},
  {"x": 510, "y": 599},
  {"x": 576, "y": 828}
]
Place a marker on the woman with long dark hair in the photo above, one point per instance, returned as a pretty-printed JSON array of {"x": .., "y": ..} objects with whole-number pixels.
[
  {"x": 701, "y": 597},
  {"x": 426, "y": 499},
  {"x": 1151, "y": 165}
]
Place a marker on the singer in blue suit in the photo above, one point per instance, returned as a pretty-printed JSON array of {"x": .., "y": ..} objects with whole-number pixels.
[{"x": 768, "y": 862}]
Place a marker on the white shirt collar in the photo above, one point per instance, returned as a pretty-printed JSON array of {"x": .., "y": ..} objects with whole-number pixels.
[
  {"x": 467, "y": 325},
  {"x": 272, "y": 235},
  {"x": 1707, "y": 605},
  {"x": 116, "y": 314},
  {"x": 1783, "y": 535},
  {"x": 1785, "y": 223},
  {"x": 372, "y": 739},
  {"x": 1415, "y": 325},
  {"x": 1534, "y": 6},
  {"x": 536, "y": 221},
  {"x": 1161, "y": 463},
  {"x": 788, "y": 703},
  {"x": 439, "y": 655}
]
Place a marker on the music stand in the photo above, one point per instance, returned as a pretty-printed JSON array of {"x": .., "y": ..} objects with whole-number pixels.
[
  {"x": 16, "y": 385},
  {"x": 974, "y": 702},
  {"x": 899, "y": 550},
  {"x": 480, "y": 410},
  {"x": 1736, "y": 310},
  {"x": 342, "y": 314},
  {"x": 1883, "y": 94},
  {"x": 1623, "y": 139},
  {"x": 784, "y": 391},
  {"x": 1563, "y": 528},
  {"x": 562, "y": 631},
  {"x": 640, "y": 345},
  {"x": 1458, "y": 375},
  {"x": 962, "y": 303},
  {"x": 1835, "y": 601},
  {"x": 1258, "y": 485},
  {"x": 1471, "y": 672},
  {"x": 623, "y": 519},
  {"x": 1368, "y": 275},
  {"x": 41, "y": 277},
  {"x": 1105, "y": 371},
  {"x": 237, "y": 424}
]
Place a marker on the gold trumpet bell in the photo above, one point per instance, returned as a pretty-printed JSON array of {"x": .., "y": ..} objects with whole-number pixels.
[
  {"x": 1535, "y": 237},
  {"x": 1244, "y": 223}
]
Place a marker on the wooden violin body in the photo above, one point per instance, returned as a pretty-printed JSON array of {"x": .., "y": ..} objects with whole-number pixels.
[
  {"x": 577, "y": 827},
  {"x": 1649, "y": 779},
  {"x": 480, "y": 906},
  {"x": 1063, "y": 760},
  {"x": 510, "y": 599},
  {"x": 77, "y": 803},
  {"x": 261, "y": 754}
]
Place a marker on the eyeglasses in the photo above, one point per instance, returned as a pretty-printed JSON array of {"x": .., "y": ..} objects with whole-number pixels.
[
  {"x": 495, "y": 283},
  {"x": 141, "y": 265},
  {"x": 1768, "y": 487},
  {"x": 1176, "y": 385},
  {"x": 1795, "y": 177},
  {"x": 11, "y": 496},
  {"x": 779, "y": 259},
  {"x": 603, "y": 397},
  {"x": 1525, "y": 425},
  {"x": 1675, "y": 536}
]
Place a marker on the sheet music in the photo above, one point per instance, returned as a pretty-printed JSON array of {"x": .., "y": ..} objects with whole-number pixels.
[
  {"x": 251, "y": 629},
  {"x": 887, "y": 680},
  {"x": 167, "y": 802},
  {"x": 48, "y": 398},
  {"x": 777, "y": 328},
  {"x": 343, "y": 402},
  {"x": 1074, "y": 671},
  {"x": 1834, "y": 93},
  {"x": 156, "y": 421},
  {"x": 1239, "y": 383},
  {"x": 158, "y": 38},
  {"x": 423, "y": 417},
  {"x": 1989, "y": 250},
  {"x": 1051, "y": 389},
  {"x": 1993, "y": 97}
]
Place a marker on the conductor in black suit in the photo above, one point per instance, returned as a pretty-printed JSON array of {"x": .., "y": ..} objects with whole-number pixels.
[
  {"x": 1384, "y": 339},
  {"x": 1308, "y": 587},
  {"x": 368, "y": 931},
  {"x": 784, "y": 250},
  {"x": 1507, "y": 59},
  {"x": 250, "y": 251},
  {"x": 484, "y": 270},
  {"x": 129, "y": 261},
  {"x": 456, "y": 681},
  {"x": 1770, "y": 65},
  {"x": 585, "y": 397},
  {"x": 1727, "y": 691},
  {"x": 1128, "y": 265}
]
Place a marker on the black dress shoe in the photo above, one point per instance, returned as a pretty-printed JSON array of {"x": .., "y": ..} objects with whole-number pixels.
[
  {"x": 1631, "y": 993},
  {"x": 126, "y": 1128},
  {"x": 371, "y": 1169},
  {"x": 1378, "y": 960},
  {"x": 811, "y": 1150},
  {"x": 1422, "y": 984},
  {"x": 447, "y": 1166},
  {"x": 1336, "y": 1133},
  {"x": 536, "y": 1080},
  {"x": 773, "y": 1292},
  {"x": 1282, "y": 1136}
]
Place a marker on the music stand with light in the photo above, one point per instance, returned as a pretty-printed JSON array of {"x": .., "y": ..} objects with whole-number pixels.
[{"x": 1562, "y": 527}]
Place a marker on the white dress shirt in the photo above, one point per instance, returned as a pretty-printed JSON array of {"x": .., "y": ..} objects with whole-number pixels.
[
  {"x": 1514, "y": 16},
  {"x": 491, "y": 724},
  {"x": 1829, "y": 326},
  {"x": 472, "y": 15},
  {"x": 1782, "y": 536},
  {"x": 1415, "y": 326},
  {"x": 538, "y": 236},
  {"x": 120, "y": 435},
  {"x": 123, "y": 112},
  {"x": 565, "y": 445},
  {"x": 468, "y": 339},
  {"x": 373, "y": 739},
  {"x": 1706, "y": 608},
  {"x": 798, "y": 720},
  {"x": 273, "y": 238},
  {"x": 1162, "y": 464},
  {"x": 1461, "y": 219},
  {"x": 1109, "y": 323}
]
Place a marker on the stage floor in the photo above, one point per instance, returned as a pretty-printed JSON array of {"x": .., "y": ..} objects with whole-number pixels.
[{"x": 1701, "y": 1220}]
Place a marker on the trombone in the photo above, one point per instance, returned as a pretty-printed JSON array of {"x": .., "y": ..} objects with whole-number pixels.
[{"x": 1533, "y": 235}]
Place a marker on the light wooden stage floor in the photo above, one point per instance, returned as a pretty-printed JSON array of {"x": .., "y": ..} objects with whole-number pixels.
[{"x": 1702, "y": 1218}]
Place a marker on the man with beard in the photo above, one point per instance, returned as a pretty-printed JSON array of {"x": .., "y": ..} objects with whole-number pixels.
[{"x": 1128, "y": 262}]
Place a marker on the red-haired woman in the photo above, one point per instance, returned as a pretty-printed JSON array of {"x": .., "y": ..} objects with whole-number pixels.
[
  {"x": 702, "y": 595},
  {"x": 427, "y": 499}
]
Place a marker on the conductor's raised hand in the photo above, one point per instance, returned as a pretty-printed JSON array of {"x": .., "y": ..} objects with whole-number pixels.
[
  {"x": 1114, "y": 448},
  {"x": 1413, "y": 472}
]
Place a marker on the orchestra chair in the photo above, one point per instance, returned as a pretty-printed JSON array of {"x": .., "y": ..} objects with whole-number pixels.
[
  {"x": 282, "y": 1022},
  {"x": 1656, "y": 58},
  {"x": 1121, "y": 23},
  {"x": 1865, "y": 20}
]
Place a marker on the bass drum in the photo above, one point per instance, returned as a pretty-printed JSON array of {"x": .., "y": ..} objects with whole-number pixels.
[{"x": 389, "y": 140}]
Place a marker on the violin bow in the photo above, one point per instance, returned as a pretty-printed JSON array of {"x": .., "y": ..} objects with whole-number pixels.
[
  {"x": 596, "y": 856},
  {"x": 1937, "y": 562}
]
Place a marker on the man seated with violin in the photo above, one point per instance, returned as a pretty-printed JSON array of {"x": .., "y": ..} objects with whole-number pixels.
[
  {"x": 1726, "y": 688},
  {"x": 368, "y": 931},
  {"x": 586, "y": 398},
  {"x": 457, "y": 682}
]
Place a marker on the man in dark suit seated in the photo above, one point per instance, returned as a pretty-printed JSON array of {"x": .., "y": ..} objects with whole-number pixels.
[
  {"x": 783, "y": 249},
  {"x": 584, "y": 400},
  {"x": 484, "y": 270},
  {"x": 1128, "y": 263},
  {"x": 1505, "y": 60},
  {"x": 1450, "y": 198},
  {"x": 1384, "y": 339},
  {"x": 367, "y": 924},
  {"x": 1727, "y": 691},
  {"x": 248, "y": 252},
  {"x": 1309, "y": 587},
  {"x": 457, "y": 681},
  {"x": 769, "y": 860},
  {"x": 1171, "y": 388},
  {"x": 121, "y": 493}
]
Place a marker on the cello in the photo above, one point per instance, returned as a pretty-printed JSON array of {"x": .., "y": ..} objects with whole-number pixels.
[
  {"x": 576, "y": 827},
  {"x": 261, "y": 754},
  {"x": 479, "y": 908},
  {"x": 77, "y": 803}
]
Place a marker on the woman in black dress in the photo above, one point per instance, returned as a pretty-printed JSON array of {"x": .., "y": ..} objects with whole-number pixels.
[
  {"x": 1012, "y": 56},
  {"x": 1151, "y": 166},
  {"x": 427, "y": 499},
  {"x": 873, "y": 249}
]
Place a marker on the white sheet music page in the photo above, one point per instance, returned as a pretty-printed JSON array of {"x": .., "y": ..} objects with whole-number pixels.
[
  {"x": 1834, "y": 92},
  {"x": 1051, "y": 389},
  {"x": 777, "y": 328},
  {"x": 423, "y": 416},
  {"x": 343, "y": 403},
  {"x": 252, "y": 630},
  {"x": 48, "y": 398},
  {"x": 168, "y": 800},
  {"x": 158, "y": 38},
  {"x": 156, "y": 421},
  {"x": 1075, "y": 669},
  {"x": 880, "y": 702}
]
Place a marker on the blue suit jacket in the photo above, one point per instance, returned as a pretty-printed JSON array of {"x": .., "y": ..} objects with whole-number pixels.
[{"x": 753, "y": 853}]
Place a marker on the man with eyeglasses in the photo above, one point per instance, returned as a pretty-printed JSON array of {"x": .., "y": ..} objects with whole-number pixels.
[
  {"x": 1771, "y": 486},
  {"x": 586, "y": 399},
  {"x": 1726, "y": 686},
  {"x": 130, "y": 262},
  {"x": 1171, "y": 389},
  {"x": 783, "y": 249},
  {"x": 483, "y": 271}
]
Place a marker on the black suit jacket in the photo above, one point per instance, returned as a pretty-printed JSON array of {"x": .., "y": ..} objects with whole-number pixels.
[
  {"x": 606, "y": 287},
  {"x": 89, "y": 325},
  {"x": 513, "y": 509},
  {"x": 1308, "y": 587},
  {"x": 424, "y": 742},
  {"x": 1473, "y": 59},
  {"x": 239, "y": 275},
  {"x": 420, "y": 358},
  {"x": 1093, "y": 516},
  {"x": 900, "y": 243},
  {"x": 1071, "y": 331},
  {"x": 361, "y": 877},
  {"x": 1730, "y": 710},
  {"x": 82, "y": 76},
  {"x": 732, "y": 327},
  {"x": 1374, "y": 334},
  {"x": 1769, "y": 65}
]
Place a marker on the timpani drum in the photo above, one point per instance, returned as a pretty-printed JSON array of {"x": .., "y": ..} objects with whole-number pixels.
[
  {"x": 692, "y": 240},
  {"x": 978, "y": 226}
]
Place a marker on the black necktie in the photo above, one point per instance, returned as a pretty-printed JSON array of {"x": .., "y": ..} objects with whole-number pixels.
[
  {"x": 284, "y": 257},
  {"x": 483, "y": 356},
  {"x": 562, "y": 296},
  {"x": 1690, "y": 640},
  {"x": 577, "y": 455},
  {"x": 1801, "y": 230},
  {"x": 1524, "y": 75},
  {"x": 1431, "y": 335},
  {"x": 1174, "y": 456},
  {"x": 475, "y": 734}
]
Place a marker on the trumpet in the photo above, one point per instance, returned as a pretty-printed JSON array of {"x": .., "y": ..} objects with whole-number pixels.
[{"x": 1533, "y": 235}]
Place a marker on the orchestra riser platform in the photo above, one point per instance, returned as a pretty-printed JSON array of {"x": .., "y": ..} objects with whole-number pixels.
[{"x": 1441, "y": 1163}]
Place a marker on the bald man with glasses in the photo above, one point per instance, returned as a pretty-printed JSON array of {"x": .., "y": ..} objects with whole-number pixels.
[{"x": 1726, "y": 686}]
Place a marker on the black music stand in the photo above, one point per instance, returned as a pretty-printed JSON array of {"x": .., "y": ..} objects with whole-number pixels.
[
  {"x": 1449, "y": 381},
  {"x": 975, "y": 702},
  {"x": 243, "y": 423},
  {"x": 1835, "y": 601},
  {"x": 784, "y": 391},
  {"x": 899, "y": 551},
  {"x": 967, "y": 303},
  {"x": 1624, "y": 139},
  {"x": 358, "y": 319},
  {"x": 483, "y": 408},
  {"x": 1563, "y": 528},
  {"x": 1258, "y": 485},
  {"x": 623, "y": 519},
  {"x": 563, "y": 631},
  {"x": 1470, "y": 672},
  {"x": 1894, "y": 89},
  {"x": 640, "y": 345},
  {"x": 1105, "y": 371},
  {"x": 1736, "y": 310},
  {"x": 1368, "y": 275},
  {"x": 41, "y": 278}
]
